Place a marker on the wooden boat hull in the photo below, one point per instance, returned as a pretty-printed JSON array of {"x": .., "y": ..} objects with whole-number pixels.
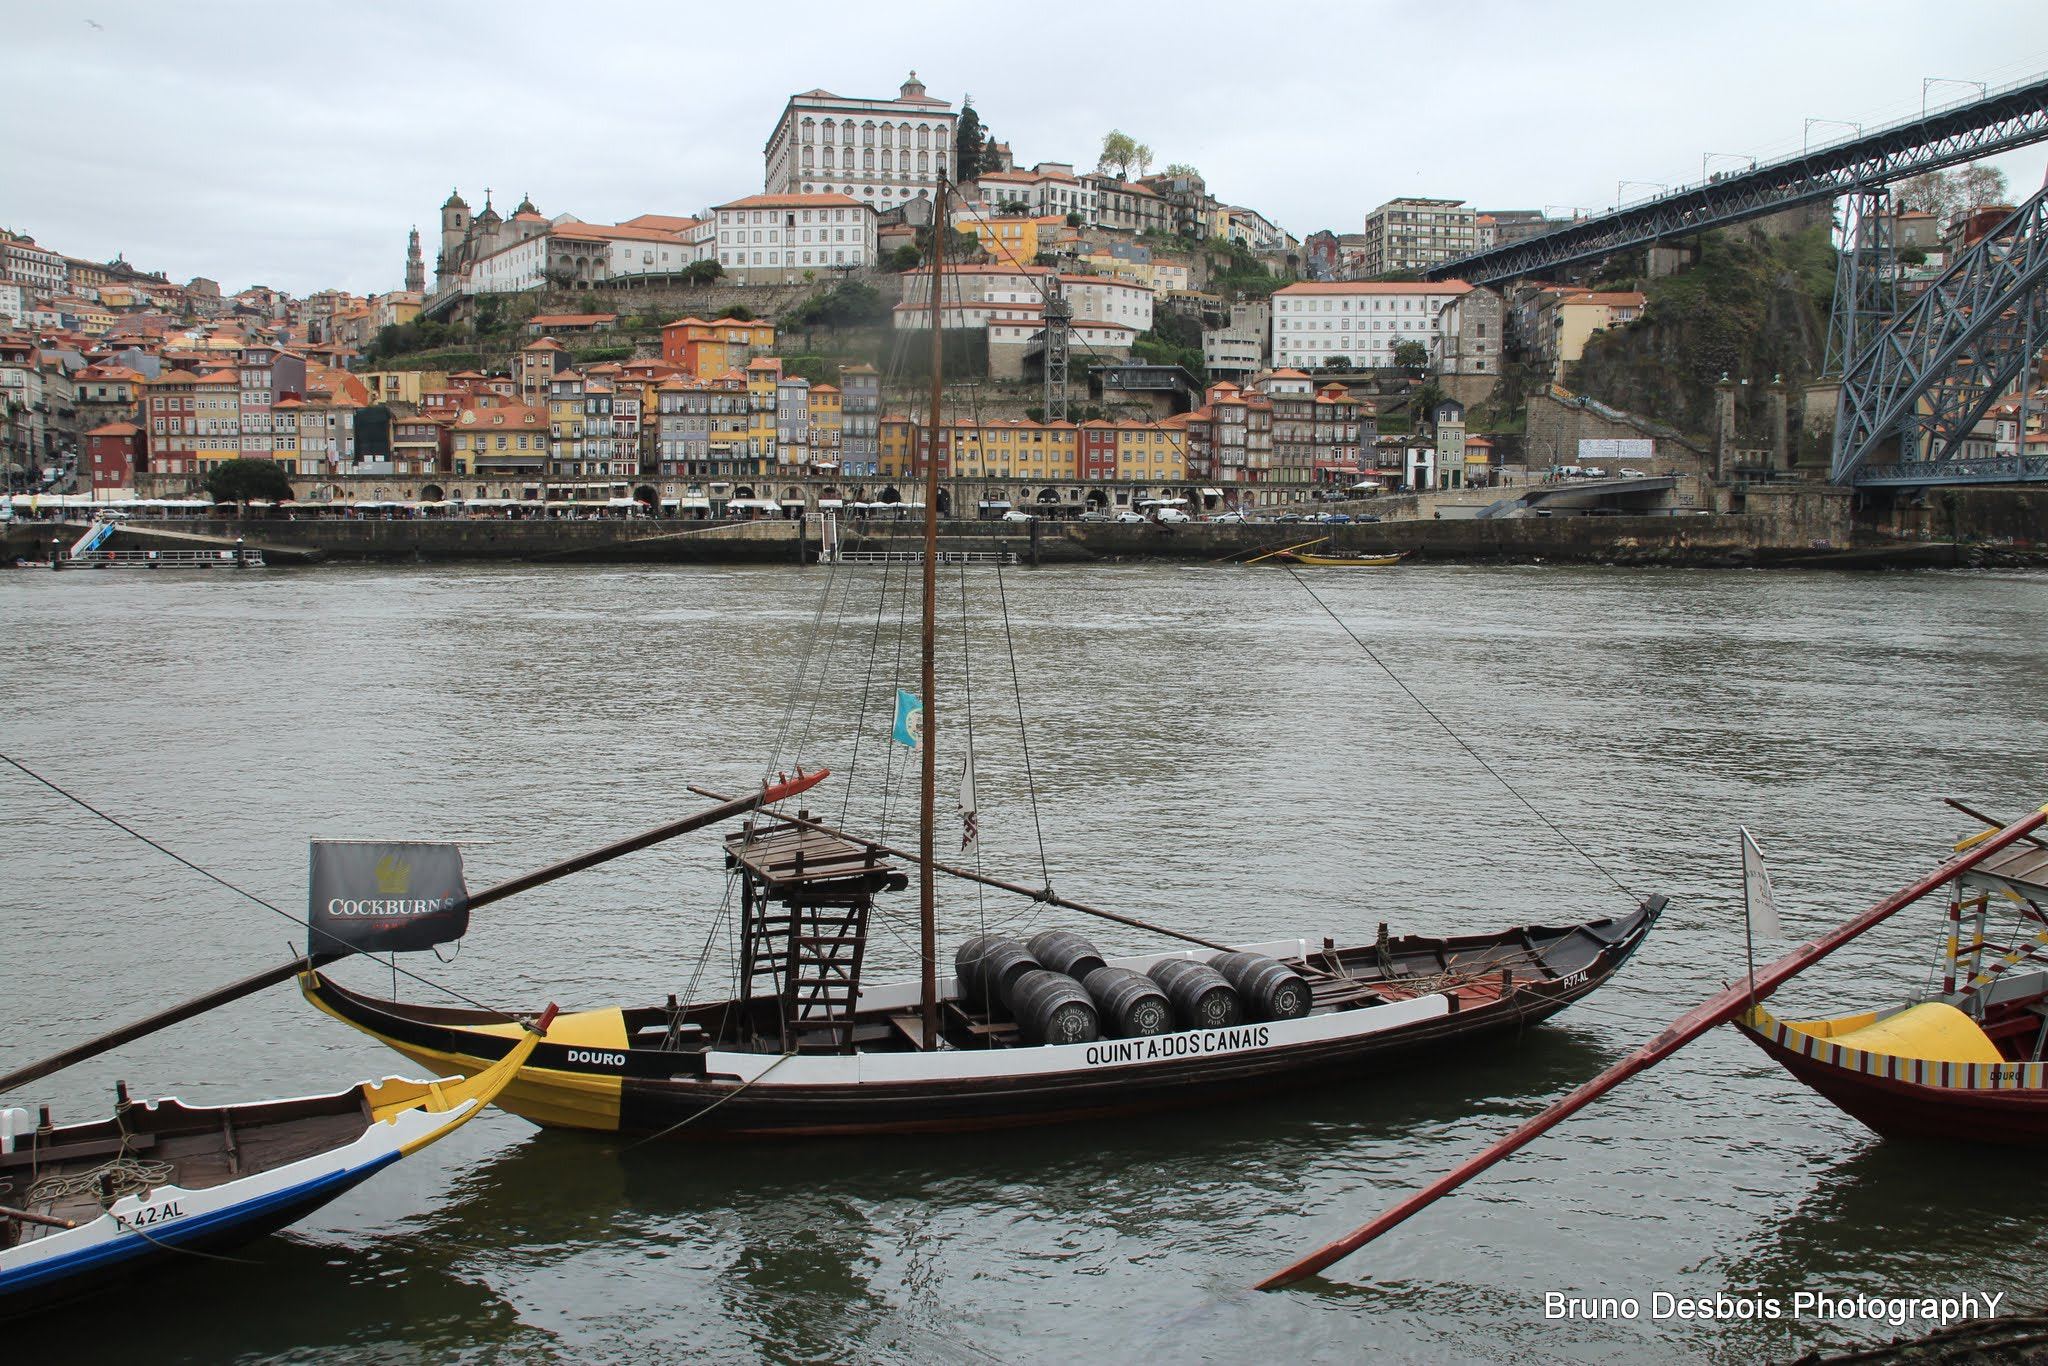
[
  {"x": 1340, "y": 561},
  {"x": 1899, "y": 1097},
  {"x": 613, "y": 1081},
  {"x": 298, "y": 1154}
]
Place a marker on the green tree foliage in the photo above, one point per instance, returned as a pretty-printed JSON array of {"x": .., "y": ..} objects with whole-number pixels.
[
  {"x": 970, "y": 141},
  {"x": 1175, "y": 339},
  {"x": 702, "y": 272},
  {"x": 846, "y": 304},
  {"x": 738, "y": 313},
  {"x": 1411, "y": 355},
  {"x": 1945, "y": 194},
  {"x": 238, "y": 481},
  {"x": 905, "y": 257},
  {"x": 1179, "y": 168},
  {"x": 421, "y": 334},
  {"x": 1337, "y": 363},
  {"x": 1121, "y": 151}
]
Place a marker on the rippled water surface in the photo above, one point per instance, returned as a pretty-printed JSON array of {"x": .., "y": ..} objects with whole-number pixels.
[{"x": 1444, "y": 749}]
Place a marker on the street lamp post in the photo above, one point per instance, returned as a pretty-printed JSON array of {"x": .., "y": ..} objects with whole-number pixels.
[
  {"x": 1705, "y": 157},
  {"x": 1806, "y": 134},
  {"x": 1983, "y": 89}
]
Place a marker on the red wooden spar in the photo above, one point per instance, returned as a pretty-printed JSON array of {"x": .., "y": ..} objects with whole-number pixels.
[{"x": 1682, "y": 1031}]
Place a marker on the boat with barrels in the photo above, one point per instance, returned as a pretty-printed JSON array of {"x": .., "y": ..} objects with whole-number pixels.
[
  {"x": 1033, "y": 1032},
  {"x": 1018, "y": 1032}
]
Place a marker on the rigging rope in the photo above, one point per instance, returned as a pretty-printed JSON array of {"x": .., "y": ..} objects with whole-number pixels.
[
  {"x": 1457, "y": 739},
  {"x": 238, "y": 891},
  {"x": 1023, "y": 735}
]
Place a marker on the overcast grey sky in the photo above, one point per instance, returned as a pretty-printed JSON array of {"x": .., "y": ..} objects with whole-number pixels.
[{"x": 295, "y": 145}]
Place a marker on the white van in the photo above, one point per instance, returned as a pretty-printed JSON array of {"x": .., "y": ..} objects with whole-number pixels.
[{"x": 1567, "y": 471}]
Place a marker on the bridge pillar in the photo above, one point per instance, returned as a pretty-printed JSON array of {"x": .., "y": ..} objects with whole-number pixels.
[
  {"x": 1724, "y": 424},
  {"x": 1781, "y": 427},
  {"x": 1866, "y": 281}
]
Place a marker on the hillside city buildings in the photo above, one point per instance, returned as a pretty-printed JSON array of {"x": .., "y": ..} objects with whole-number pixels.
[{"x": 137, "y": 379}]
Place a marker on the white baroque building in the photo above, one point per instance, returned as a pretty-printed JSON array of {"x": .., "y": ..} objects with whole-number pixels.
[
  {"x": 877, "y": 152},
  {"x": 1362, "y": 323},
  {"x": 779, "y": 238}
]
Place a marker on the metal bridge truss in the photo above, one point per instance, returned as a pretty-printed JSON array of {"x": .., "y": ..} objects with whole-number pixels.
[
  {"x": 1866, "y": 277},
  {"x": 1927, "y": 379},
  {"x": 2009, "y": 118}
]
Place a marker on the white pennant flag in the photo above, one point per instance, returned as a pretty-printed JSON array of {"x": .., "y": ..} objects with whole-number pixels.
[
  {"x": 1759, "y": 900},
  {"x": 970, "y": 820}
]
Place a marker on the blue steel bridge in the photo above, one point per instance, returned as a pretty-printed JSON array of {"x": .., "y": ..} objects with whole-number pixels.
[{"x": 1914, "y": 380}]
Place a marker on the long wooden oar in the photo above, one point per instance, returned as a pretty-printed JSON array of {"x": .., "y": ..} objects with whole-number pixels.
[
  {"x": 1682, "y": 1031},
  {"x": 1285, "y": 550},
  {"x": 969, "y": 875},
  {"x": 248, "y": 986}
]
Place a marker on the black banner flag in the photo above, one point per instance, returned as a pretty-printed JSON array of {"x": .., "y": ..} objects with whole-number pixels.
[{"x": 385, "y": 896}]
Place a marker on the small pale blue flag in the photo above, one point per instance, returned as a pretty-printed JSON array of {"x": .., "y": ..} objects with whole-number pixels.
[{"x": 909, "y": 719}]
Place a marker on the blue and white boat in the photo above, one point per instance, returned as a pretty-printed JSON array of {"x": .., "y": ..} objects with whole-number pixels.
[{"x": 82, "y": 1205}]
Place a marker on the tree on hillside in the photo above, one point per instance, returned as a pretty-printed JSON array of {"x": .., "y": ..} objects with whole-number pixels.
[
  {"x": 1121, "y": 151},
  {"x": 1411, "y": 355},
  {"x": 1958, "y": 190},
  {"x": 238, "y": 481},
  {"x": 738, "y": 313},
  {"x": 1181, "y": 168},
  {"x": 970, "y": 140}
]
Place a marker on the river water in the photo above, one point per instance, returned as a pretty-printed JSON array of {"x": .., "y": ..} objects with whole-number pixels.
[{"x": 1238, "y": 752}]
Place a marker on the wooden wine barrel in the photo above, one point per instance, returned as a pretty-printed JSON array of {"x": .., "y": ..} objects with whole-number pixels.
[
  {"x": 1051, "y": 1007},
  {"x": 1269, "y": 988},
  {"x": 1065, "y": 951},
  {"x": 1202, "y": 997},
  {"x": 1130, "y": 1004},
  {"x": 987, "y": 965}
]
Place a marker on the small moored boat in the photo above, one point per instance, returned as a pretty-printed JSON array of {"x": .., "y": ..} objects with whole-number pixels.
[
  {"x": 1965, "y": 1062},
  {"x": 85, "y": 1204},
  {"x": 1339, "y": 561}
]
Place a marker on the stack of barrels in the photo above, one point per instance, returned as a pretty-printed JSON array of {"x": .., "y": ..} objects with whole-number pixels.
[{"x": 1058, "y": 989}]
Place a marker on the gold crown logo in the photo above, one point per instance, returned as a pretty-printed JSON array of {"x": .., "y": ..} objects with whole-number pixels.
[{"x": 392, "y": 876}]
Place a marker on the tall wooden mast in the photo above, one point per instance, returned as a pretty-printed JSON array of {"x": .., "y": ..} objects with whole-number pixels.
[{"x": 927, "y": 796}]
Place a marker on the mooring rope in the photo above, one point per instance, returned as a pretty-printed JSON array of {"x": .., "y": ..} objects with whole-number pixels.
[{"x": 1459, "y": 740}]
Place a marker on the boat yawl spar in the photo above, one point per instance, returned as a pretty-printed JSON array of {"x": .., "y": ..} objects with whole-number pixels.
[
  {"x": 1015, "y": 1034},
  {"x": 1719, "y": 1009}
]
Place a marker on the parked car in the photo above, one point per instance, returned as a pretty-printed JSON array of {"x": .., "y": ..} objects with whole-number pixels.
[
  {"x": 1013, "y": 515},
  {"x": 1288, "y": 517},
  {"x": 1365, "y": 517},
  {"x": 1627, "y": 473},
  {"x": 1335, "y": 517},
  {"x": 1129, "y": 517},
  {"x": 1228, "y": 517},
  {"x": 1094, "y": 515},
  {"x": 1173, "y": 515},
  {"x": 1591, "y": 472}
]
